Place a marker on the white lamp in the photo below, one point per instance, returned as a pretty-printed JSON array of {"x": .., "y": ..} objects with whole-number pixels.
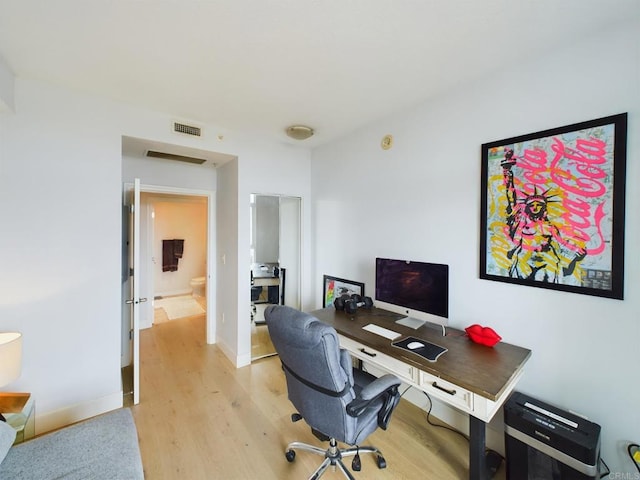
[
  {"x": 10, "y": 369},
  {"x": 10, "y": 357}
]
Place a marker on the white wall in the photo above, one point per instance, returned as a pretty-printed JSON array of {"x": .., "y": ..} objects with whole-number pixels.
[
  {"x": 420, "y": 201},
  {"x": 60, "y": 205},
  {"x": 169, "y": 173},
  {"x": 227, "y": 265},
  {"x": 270, "y": 170},
  {"x": 61, "y": 175},
  {"x": 7, "y": 82}
]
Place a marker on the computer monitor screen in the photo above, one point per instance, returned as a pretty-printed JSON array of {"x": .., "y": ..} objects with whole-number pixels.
[{"x": 416, "y": 289}]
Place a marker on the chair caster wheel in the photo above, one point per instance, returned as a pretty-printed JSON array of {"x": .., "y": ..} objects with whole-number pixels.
[
  {"x": 382, "y": 463},
  {"x": 356, "y": 465},
  {"x": 290, "y": 455}
]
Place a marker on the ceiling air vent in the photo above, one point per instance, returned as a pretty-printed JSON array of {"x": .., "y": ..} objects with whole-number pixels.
[
  {"x": 173, "y": 156},
  {"x": 187, "y": 129}
]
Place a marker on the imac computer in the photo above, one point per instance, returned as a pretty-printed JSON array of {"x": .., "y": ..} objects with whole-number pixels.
[{"x": 417, "y": 290}]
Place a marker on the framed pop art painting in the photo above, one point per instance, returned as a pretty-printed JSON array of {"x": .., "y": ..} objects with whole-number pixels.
[{"x": 553, "y": 206}]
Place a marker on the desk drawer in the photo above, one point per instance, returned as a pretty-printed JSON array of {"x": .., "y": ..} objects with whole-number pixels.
[
  {"x": 448, "y": 392},
  {"x": 370, "y": 355}
]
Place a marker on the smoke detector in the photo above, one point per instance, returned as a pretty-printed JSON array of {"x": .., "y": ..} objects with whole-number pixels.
[{"x": 299, "y": 132}]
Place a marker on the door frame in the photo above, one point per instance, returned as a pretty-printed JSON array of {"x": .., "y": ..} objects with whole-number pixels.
[
  {"x": 211, "y": 255},
  {"x": 299, "y": 254},
  {"x": 211, "y": 245}
]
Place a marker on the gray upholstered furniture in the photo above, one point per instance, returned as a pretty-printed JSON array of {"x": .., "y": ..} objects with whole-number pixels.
[
  {"x": 339, "y": 403},
  {"x": 101, "y": 448}
]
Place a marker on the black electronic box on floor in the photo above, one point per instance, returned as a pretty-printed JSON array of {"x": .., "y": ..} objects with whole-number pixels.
[{"x": 545, "y": 442}]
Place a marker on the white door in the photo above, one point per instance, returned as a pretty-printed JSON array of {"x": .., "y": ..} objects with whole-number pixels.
[
  {"x": 290, "y": 249},
  {"x": 134, "y": 299}
]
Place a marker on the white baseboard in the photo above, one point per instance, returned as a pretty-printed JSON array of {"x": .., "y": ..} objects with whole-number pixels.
[
  {"x": 66, "y": 416},
  {"x": 243, "y": 360},
  {"x": 238, "y": 360}
]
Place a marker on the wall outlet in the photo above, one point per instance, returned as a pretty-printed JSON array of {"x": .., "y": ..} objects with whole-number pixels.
[{"x": 222, "y": 317}]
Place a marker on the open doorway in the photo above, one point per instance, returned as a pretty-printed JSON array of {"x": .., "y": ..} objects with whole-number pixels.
[
  {"x": 174, "y": 257},
  {"x": 167, "y": 169},
  {"x": 175, "y": 272}
]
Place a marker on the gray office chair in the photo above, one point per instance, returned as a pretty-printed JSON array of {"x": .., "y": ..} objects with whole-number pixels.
[{"x": 339, "y": 403}]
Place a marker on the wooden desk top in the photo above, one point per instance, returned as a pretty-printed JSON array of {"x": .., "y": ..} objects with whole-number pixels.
[{"x": 486, "y": 371}]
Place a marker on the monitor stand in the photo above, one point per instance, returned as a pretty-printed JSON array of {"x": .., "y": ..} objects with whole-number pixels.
[
  {"x": 416, "y": 323},
  {"x": 411, "y": 322}
]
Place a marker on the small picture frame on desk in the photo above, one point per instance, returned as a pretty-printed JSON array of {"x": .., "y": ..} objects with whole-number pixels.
[{"x": 334, "y": 287}]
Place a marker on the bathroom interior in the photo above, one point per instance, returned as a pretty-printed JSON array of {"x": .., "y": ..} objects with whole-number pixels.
[{"x": 175, "y": 266}]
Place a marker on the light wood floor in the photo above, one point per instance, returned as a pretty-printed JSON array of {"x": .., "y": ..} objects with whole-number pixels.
[
  {"x": 261, "y": 345},
  {"x": 201, "y": 418}
]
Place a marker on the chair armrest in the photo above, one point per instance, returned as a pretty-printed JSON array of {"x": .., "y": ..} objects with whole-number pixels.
[
  {"x": 385, "y": 385},
  {"x": 379, "y": 386}
]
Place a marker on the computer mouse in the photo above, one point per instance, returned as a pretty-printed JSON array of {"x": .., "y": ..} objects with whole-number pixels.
[{"x": 414, "y": 345}]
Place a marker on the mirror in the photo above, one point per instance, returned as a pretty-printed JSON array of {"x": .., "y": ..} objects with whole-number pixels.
[
  {"x": 265, "y": 237},
  {"x": 275, "y": 258}
]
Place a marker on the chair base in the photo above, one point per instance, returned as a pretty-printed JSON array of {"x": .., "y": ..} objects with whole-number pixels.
[{"x": 333, "y": 456}]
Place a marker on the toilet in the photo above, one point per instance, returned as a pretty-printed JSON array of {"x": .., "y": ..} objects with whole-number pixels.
[{"x": 198, "y": 286}]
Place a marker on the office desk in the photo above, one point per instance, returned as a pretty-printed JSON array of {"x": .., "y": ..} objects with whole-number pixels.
[{"x": 470, "y": 377}]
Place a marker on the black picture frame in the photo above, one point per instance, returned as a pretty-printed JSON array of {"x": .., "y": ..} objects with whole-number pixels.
[
  {"x": 553, "y": 208},
  {"x": 333, "y": 287}
]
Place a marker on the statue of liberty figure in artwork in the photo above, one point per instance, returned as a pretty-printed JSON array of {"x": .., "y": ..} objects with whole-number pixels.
[{"x": 538, "y": 251}]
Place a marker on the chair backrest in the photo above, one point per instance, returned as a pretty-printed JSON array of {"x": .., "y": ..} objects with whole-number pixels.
[{"x": 319, "y": 374}]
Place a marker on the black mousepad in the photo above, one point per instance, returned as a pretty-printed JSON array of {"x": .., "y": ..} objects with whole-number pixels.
[{"x": 430, "y": 351}]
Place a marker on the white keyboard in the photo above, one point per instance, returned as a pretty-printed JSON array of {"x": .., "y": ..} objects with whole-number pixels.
[{"x": 383, "y": 332}]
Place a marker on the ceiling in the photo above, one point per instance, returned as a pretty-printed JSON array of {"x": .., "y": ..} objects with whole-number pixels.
[{"x": 259, "y": 66}]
